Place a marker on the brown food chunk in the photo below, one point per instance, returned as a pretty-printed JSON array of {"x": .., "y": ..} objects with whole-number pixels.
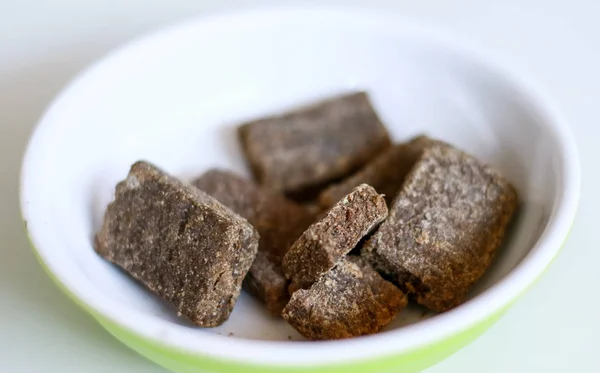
[
  {"x": 266, "y": 282},
  {"x": 328, "y": 240},
  {"x": 279, "y": 222},
  {"x": 315, "y": 144},
  {"x": 444, "y": 227},
  {"x": 385, "y": 173},
  {"x": 349, "y": 301},
  {"x": 180, "y": 243}
]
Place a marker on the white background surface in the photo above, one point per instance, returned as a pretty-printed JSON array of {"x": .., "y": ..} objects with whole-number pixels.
[{"x": 554, "y": 328}]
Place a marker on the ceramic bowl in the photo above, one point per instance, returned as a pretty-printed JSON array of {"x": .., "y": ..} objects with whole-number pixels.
[{"x": 174, "y": 98}]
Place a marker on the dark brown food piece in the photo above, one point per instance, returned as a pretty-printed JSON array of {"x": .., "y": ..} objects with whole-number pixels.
[
  {"x": 267, "y": 283},
  {"x": 315, "y": 144},
  {"x": 444, "y": 227},
  {"x": 385, "y": 173},
  {"x": 328, "y": 240},
  {"x": 278, "y": 220},
  {"x": 180, "y": 243},
  {"x": 349, "y": 301},
  {"x": 313, "y": 209}
]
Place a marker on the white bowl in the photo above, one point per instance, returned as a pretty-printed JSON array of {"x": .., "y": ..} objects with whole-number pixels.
[{"x": 174, "y": 98}]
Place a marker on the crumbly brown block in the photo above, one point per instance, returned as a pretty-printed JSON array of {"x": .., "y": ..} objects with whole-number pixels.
[
  {"x": 278, "y": 220},
  {"x": 325, "y": 242},
  {"x": 179, "y": 242},
  {"x": 266, "y": 282},
  {"x": 385, "y": 173},
  {"x": 349, "y": 301},
  {"x": 315, "y": 144},
  {"x": 444, "y": 227}
]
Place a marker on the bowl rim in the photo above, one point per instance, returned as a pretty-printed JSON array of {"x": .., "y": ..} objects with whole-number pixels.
[{"x": 283, "y": 353}]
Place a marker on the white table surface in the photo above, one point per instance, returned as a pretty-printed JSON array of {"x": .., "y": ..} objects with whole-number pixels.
[{"x": 554, "y": 328}]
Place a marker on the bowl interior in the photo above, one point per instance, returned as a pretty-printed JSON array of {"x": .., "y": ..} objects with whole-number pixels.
[{"x": 175, "y": 99}]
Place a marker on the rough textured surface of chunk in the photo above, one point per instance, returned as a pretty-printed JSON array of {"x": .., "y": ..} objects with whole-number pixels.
[
  {"x": 349, "y": 301},
  {"x": 385, "y": 173},
  {"x": 180, "y": 243},
  {"x": 278, "y": 220},
  {"x": 328, "y": 240},
  {"x": 315, "y": 144},
  {"x": 444, "y": 227}
]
